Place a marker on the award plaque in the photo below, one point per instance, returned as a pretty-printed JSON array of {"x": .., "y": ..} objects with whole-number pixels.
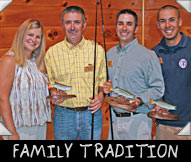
[
  {"x": 121, "y": 103},
  {"x": 64, "y": 96},
  {"x": 163, "y": 115}
]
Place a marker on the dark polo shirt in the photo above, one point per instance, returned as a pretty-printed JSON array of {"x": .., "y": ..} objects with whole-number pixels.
[{"x": 176, "y": 69}]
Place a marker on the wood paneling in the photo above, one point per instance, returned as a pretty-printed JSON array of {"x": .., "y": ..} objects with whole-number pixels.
[
  {"x": 135, "y": 4},
  {"x": 49, "y": 13}
]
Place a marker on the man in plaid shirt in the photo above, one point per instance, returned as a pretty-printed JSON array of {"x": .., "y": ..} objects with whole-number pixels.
[{"x": 71, "y": 62}]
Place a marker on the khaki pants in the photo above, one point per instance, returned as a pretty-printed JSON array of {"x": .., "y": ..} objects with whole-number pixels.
[
  {"x": 164, "y": 132},
  {"x": 135, "y": 127}
]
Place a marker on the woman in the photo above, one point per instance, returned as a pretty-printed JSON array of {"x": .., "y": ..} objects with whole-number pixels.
[{"x": 23, "y": 83}]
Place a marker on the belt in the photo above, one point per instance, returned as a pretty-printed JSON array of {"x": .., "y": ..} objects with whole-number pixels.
[
  {"x": 127, "y": 114},
  {"x": 77, "y": 109}
]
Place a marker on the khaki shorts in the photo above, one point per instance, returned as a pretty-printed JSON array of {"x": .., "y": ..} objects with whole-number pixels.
[{"x": 164, "y": 132}]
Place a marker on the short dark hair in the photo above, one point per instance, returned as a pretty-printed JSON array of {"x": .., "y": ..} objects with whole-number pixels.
[
  {"x": 168, "y": 6},
  {"x": 130, "y": 12},
  {"x": 74, "y": 9}
]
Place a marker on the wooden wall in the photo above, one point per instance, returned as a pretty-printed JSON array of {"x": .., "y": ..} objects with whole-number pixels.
[{"x": 49, "y": 12}]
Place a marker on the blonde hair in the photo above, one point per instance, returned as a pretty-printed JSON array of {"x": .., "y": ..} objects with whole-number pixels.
[{"x": 18, "y": 44}]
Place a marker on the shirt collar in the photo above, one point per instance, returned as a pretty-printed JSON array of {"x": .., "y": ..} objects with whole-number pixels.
[
  {"x": 128, "y": 47},
  {"x": 71, "y": 46},
  {"x": 181, "y": 44}
]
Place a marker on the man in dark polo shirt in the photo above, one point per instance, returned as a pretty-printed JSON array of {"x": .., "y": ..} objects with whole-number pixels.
[{"x": 174, "y": 52}]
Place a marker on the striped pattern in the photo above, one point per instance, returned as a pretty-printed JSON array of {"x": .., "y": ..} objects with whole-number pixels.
[{"x": 28, "y": 96}]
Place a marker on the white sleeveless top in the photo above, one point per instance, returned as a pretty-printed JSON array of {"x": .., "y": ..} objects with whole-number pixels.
[{"x": 28, "y": 96}]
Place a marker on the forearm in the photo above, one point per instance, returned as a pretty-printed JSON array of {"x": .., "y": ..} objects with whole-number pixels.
[
  {"x": 6, "y": 114},
  {"x": 96, "y": 103}
]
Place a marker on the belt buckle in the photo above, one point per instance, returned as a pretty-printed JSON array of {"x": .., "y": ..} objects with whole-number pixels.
[
  {"x": 123, "y": 114},
  {"x": 127, "y": 114},
  {"x": 120, "y": 115},
  {"x": 79, "y": 109},
  {"x": 75, "y": 110}
]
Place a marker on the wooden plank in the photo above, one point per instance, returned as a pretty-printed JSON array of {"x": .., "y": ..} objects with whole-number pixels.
[
  {"x": 186, "y": 30},
  {"x": 47, "y": 15},
  {"x": 3, "y": 51},
  {"x": 82, "y": 3},
  {"x": 106, "y": 121},
  {"x": 151, "y": 17},
  {"x": 156, "y": 4},
  {"x": 51, "y": 16},
  {"x": 7, "y": 35}
]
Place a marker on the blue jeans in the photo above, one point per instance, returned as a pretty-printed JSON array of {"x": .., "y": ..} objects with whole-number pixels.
[{"x": 71, "y": 125}]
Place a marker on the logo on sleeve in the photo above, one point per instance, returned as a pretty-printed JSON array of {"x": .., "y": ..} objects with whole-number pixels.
[
  {"x": 160, "y": 60},
  {"x": 183, "y": 63}
]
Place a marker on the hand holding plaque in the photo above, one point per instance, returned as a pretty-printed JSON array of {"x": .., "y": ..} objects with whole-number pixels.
[
  {"x": 161, "y": 112},
  {"x": 121, "y": 102},
  {"x": 125, "y": 100},
  {"x": 58, "y": 94}
]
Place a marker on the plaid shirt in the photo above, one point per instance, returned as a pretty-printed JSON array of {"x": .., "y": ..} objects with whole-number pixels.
[{"x": 73, "y": 66}]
